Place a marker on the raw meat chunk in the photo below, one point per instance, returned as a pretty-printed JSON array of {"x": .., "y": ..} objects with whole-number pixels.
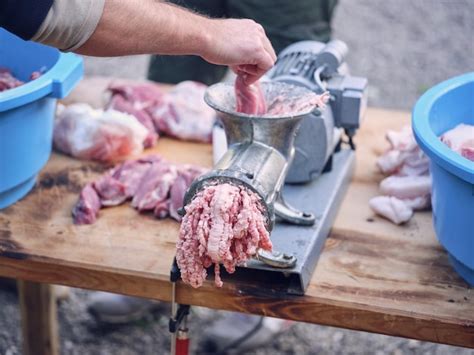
[
  {"x": 404, "y": 156},
  {"x": 183, "y": 113},
  {"x": 410, "y": 187},
  {"x": 418, "y": 203},
  {"x": 223, "y": 224},
  {"x": 138, "y": 100},
  {"x": 180, "y": 113},
  {"x": 186, "y": 175},
  {"x": 461, "y": 140},
  {"x": 391, "y": 208},
  {"x": 7, "y": 80},
  {"x": 284, "y": 106},
  {"x": 249, "y": 99},
  {"x": 150, "y": 181},
  {"x": 154, "y": 186},
  {"x": 110, "y": 190},
  {"x": 85, "y": 133},
  {"x": 87, "y": 208},
  {"x": 404, "y": 187},
  {"x": 401, "y": 140}
]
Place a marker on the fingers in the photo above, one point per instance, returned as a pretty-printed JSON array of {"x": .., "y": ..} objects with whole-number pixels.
[{"x": 267, "y": 45}]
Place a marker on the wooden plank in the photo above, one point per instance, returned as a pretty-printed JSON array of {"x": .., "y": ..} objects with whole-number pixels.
[
  {"x": 39, "y": 318},
  {"x": 372, "y": 275}
]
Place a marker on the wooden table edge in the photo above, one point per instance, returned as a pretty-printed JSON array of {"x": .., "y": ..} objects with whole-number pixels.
[{"x": 298, "y": 308}]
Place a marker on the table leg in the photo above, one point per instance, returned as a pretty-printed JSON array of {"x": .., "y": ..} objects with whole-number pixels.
[{"x": 39, "y": 318}]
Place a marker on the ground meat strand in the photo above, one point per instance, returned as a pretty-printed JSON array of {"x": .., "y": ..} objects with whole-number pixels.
[{"x": 224, "y": 224}]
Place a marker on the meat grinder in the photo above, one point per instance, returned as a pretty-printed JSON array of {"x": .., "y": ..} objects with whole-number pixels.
[
  {"x": 260, "y": 149},
  {"x": 312, "y": 151}
]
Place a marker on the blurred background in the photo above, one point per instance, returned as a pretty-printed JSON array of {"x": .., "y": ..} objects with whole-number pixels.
[{"x": 403, "y": 47}]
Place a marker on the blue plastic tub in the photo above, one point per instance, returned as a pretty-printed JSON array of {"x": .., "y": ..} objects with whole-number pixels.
[
  {"x": 27, "y": 112},
  {"x": 441, "y": 108}
]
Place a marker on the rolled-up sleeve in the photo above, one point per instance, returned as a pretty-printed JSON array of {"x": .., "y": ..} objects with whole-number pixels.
[
  {"x": 69, "y": 23},
  {"x": 23, "y": 17}
]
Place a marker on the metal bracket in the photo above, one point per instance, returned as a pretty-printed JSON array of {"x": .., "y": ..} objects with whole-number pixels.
[
  {"x": 276, "y": 259},
  {"x": 291, "y": 215}
]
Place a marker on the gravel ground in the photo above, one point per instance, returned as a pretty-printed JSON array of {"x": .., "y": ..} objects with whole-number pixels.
[
  {"x": 403, "y": 47},
  {"x": 81, "y": 335}
]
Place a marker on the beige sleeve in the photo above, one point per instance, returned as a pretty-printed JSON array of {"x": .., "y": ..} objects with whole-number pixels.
[{"x": 70, "y": 23}]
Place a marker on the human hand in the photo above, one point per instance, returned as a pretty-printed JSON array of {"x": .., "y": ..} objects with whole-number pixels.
[{"x": 240, "y": 44}]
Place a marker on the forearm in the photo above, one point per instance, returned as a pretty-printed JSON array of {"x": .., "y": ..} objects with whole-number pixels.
[{"x": 147, "y": 26}]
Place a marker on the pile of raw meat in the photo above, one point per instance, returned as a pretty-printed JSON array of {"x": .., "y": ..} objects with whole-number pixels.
[
  {"x": 250, "y": 100},
  {"x": 151, "y": 183},
  {"x": 408, "y": 187},
  {"x": 461, "y": 140},
  {"x": 8, "y": 81},
  {"x": 223, "y": 224},
  {"x": 135, "y": 116}
]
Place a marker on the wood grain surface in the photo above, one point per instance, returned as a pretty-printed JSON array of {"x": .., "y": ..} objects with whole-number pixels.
[
  {"x": 371, "y": 276},
  {"x": 39, "y": 318}
]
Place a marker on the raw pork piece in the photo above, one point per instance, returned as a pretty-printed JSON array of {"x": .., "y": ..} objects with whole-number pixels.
[
  {"x": 154, "y": 186},
  {"x": 85, "y": 133},
  {"x": 249, "y": 99},
  {"x": 404, "y": 156},
  {"x": 284, "y": 106},
  {"x": 7, "y": 80},
  {"x": 391, "y": 208},
  {"x": 183, "y": 113},
  {"x": 110, "y": 190},
  {"x": 139, "y": 100},
  {"x": 409, "y": 188},
  {"x": 186, "y": 175},
  {"x": 88, "y": 206},
  {"x": 461, "y": 140},
  {"x": 401, "y": 140},
  {"x": 223, "y": 224},
  {"x": 121, "y": 183},
  {"x": 404, "y": 187},
  {"x": 149, "y": 180}
]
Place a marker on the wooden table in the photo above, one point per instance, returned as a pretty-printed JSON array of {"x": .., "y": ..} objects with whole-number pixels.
[{"x": 372, "y": 275}]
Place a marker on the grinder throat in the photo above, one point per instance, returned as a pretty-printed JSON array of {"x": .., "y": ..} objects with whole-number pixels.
[{"x": 260, "y": 148}]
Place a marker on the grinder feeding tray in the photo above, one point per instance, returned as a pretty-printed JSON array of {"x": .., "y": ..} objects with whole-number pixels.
[{"x": 261, "y": 150}]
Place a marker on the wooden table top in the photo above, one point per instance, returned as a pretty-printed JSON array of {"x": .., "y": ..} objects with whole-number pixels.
[{"x": 371, "y": 276}]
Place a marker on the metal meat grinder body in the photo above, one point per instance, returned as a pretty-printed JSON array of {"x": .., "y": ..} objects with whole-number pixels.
[
  {"x": 320, "y": 67},
  {"x": 262, "y": 153}
]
